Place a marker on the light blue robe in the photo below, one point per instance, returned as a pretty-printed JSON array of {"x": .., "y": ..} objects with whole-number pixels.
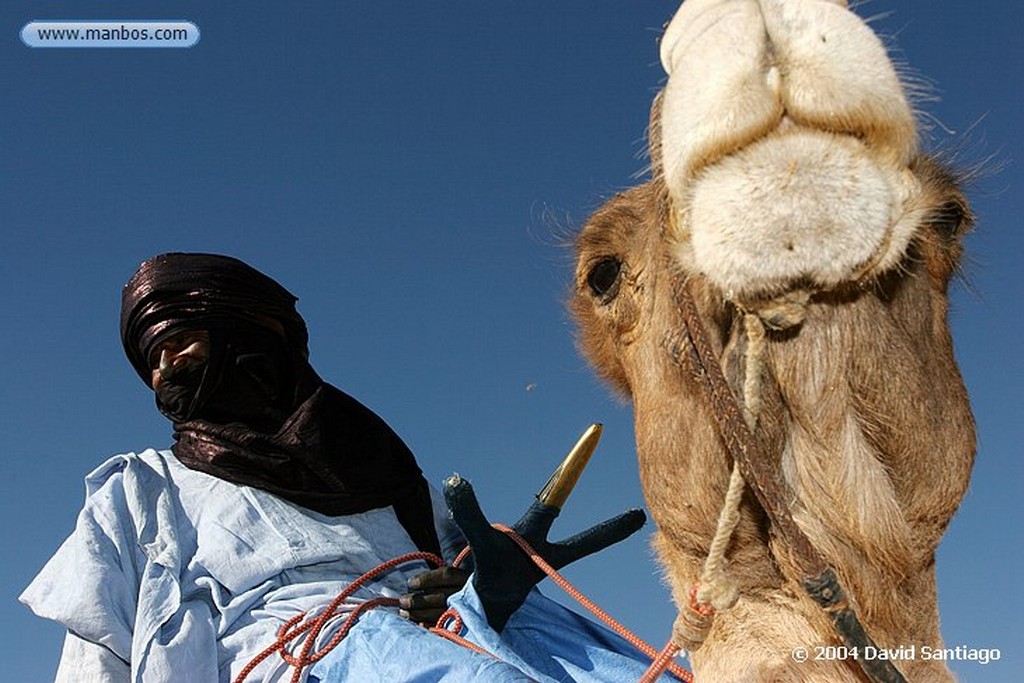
[{"x": 174, "y": 575}]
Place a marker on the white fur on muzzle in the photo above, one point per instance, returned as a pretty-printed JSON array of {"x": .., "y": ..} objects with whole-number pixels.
[{"x": 785, "y": 141}]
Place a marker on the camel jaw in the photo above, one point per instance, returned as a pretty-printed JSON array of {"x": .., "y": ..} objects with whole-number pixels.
[{"x": 785, "y": 143}]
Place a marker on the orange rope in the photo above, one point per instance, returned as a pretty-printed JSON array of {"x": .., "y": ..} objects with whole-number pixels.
[
  {"x": 664, "y": 662},
  {"x": 657, "y": 658},
  {"x": 461, "y": 557},
  {"x": 449, "y": 626},
  {"x": 295, "y": 627}
]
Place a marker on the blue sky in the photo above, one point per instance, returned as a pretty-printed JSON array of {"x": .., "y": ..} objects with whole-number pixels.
[{"x": 412, "y": 170}]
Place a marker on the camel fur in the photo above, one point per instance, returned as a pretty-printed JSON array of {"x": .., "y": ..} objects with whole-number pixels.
[{"x": 787, "y": 182}]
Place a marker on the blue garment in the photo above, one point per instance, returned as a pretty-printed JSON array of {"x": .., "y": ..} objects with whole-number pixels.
[
  {"x": 542, "y": 642},
  {"x": 174, "y": 575}
]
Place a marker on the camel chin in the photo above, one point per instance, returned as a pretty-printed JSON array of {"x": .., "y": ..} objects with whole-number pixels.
[{"x": 763, "y": 220}]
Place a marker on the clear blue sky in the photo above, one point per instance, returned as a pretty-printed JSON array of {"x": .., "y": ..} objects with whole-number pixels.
[{"x": 411, "y": 170}]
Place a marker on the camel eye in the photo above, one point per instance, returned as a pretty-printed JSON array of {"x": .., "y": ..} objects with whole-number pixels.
[
  {"x": 948, "y": 219},
  {"x": 603, "y": 278}
]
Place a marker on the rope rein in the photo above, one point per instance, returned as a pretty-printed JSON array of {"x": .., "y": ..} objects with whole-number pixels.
[
  {"x": 630, "y": 637},
  {"x": 692, "y": 351},
  {"x": 311, "y": 628},
  {"x": 449, "y": 626},
  {"x": 715, "y": 591}
]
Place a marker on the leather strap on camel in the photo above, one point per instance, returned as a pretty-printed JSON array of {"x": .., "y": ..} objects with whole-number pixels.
[{"x": 692, "y": 350}]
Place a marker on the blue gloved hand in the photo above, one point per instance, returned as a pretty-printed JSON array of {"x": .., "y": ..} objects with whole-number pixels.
[{"x": 503, "y": 574}]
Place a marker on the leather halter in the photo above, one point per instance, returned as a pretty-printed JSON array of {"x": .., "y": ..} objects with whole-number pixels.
[{"x": 692, "y": 350}]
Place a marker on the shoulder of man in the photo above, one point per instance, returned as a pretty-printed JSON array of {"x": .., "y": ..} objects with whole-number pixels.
[{"x": 147, "y": 463}]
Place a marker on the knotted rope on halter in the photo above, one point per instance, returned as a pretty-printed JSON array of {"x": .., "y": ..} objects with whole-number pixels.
[
  {"x": 715, "y": 591},
  {"x": 692, "y": 350}
]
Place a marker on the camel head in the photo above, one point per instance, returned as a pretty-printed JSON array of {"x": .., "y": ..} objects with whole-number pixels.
[{"x": 788, "y": 184}]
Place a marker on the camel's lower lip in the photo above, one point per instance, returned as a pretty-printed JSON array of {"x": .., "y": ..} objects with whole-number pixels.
[{"x": 799, "y": 206}]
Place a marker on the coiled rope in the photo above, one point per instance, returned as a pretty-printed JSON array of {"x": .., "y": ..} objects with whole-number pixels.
[
  {"x": 449, "y": 626},
  {"x": 311, "y": 628}
]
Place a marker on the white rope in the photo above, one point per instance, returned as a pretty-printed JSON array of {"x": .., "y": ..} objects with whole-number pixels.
[{"x": 715, "y": 587}]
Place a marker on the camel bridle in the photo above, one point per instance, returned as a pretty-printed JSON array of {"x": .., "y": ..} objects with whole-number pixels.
[{"x": 691, "y": 351}]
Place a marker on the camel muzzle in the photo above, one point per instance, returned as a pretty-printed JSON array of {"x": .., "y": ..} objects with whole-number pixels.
[{"x": 785, "y": 143}]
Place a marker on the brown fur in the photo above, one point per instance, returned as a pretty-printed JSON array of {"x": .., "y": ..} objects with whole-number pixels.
[{"x": 864, "y": 408}]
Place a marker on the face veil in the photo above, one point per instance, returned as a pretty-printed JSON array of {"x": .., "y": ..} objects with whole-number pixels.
[{"x": 255, "y": 412}]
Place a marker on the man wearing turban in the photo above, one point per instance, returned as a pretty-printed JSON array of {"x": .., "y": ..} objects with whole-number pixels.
[
  {"x": 278, "y": 493},
  {"x": 226, "y": 353},
  {"x": 279, "y": 490}
]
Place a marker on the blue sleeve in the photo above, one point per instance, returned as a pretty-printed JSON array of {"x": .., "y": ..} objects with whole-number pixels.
[
  {"x": 90, "y": 585},
  {"x": 84, "y": 662},
  {"x": 115, "y": 582}
]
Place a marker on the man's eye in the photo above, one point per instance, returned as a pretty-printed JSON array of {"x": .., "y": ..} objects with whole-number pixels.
[{"x": 603, "y": 278}]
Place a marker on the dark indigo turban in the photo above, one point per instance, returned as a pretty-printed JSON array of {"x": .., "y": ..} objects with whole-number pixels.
[
  {"x": 258, "y": 414},
  {"x": 173, "y": 292}
]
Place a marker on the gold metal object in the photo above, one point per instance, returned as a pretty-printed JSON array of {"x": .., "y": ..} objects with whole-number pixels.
[{"x": 564, "y": 479}]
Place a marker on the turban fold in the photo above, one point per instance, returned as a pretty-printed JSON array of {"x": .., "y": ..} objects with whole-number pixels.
[
  {"x": 173, "y": 292},
  {"x": 323, "y": 450}
]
